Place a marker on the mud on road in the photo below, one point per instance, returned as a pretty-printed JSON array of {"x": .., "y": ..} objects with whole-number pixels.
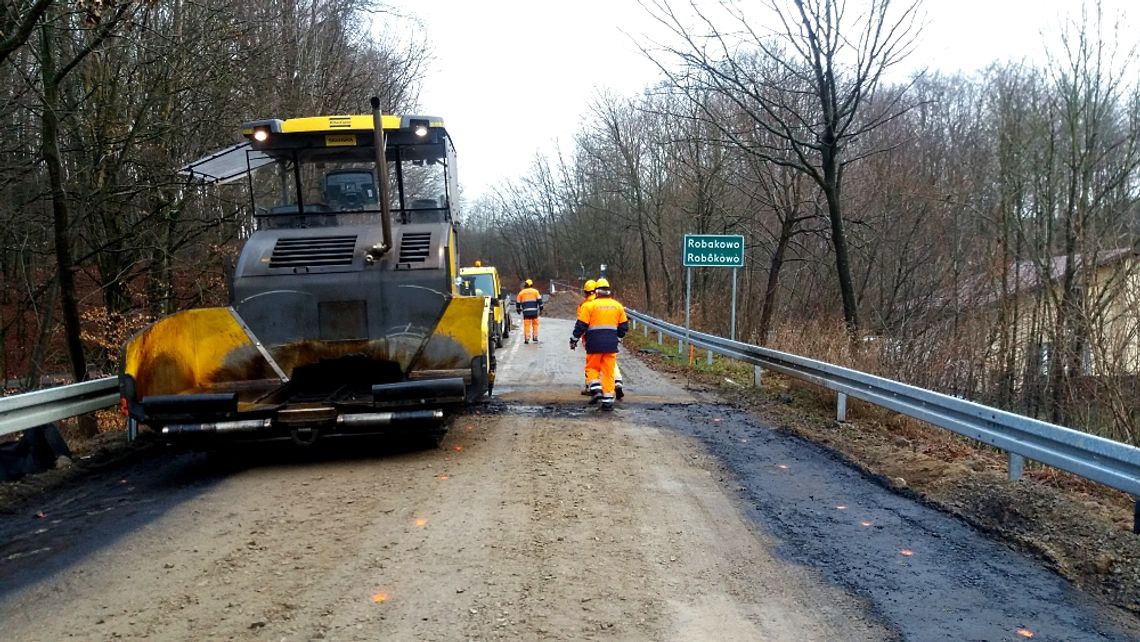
[{"x": 537, "y": 518}]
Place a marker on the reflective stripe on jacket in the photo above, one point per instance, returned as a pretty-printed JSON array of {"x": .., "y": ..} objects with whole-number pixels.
[
  {"x": 528, "y": 302},
  {"x": 602, "y": 322}
]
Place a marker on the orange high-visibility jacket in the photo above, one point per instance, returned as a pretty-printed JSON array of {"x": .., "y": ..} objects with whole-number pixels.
[
  {"x": 528, "y": 302},
  {"x": 589, "y": 297},
  {"x": 602, "y": 321}
]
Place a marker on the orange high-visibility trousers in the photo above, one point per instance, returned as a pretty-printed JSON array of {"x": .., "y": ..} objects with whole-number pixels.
[
  {"x": 603, "y": 363},
  {"x": 593, "y": 374},
  {"x": 530, "y": 328}
]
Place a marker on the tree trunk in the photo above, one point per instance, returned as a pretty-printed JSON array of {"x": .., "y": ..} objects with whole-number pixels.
[
  {"x": 839, "y": 242},
  {"x": 69, "y": 300},
  {"x": 774, "y": 267}
]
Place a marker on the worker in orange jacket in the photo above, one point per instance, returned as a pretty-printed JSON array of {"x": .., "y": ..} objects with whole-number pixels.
[
  {"x": 587, "y": 296},
  {"x": 528, "y": 303},
  {"x": 602, "y": 322}
]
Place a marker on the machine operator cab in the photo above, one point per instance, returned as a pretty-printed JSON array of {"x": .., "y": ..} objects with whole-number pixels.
[
  {"x": 314, "y": 172},
  {"x": 319, "y": 208}
]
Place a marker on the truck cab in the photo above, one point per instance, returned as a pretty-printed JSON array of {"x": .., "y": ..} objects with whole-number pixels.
[{"x": 481, "y": 280}]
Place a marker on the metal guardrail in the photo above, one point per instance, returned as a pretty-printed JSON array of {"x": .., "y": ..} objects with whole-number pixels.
[
  {"x": 23, "y": 411},
  {"x": 1108, "y": 462}
]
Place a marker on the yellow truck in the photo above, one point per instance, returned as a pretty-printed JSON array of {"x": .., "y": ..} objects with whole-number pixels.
[{"x": 481, "y": 280}]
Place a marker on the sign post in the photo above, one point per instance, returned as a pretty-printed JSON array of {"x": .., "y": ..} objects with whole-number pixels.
[
  {"x": 732, "y": 323},
  {"x": 711, "y": 250}
]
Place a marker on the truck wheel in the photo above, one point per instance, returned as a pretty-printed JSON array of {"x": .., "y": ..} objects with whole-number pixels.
[
  {"x": 499, "y": 339},
  {"x": 507, "y": 327}
]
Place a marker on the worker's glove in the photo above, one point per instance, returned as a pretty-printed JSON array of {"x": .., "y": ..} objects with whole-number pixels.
[{"x": 573, "y": 343}]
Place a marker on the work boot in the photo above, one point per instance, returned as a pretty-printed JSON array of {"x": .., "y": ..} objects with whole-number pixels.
[
  {"x": 618, "y": 392},
  {"x": 526, "y": 340},
  {"x": 535, "y": 339},
  {"x": 595, "y": 399},
  {"x": 607, "y": 402},
  {"x": 586, "y": 392}
]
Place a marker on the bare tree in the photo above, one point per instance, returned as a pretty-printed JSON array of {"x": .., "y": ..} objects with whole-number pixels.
[
  {"x": 18, "y": 22},
  {"x": 820, "y": 44},
  {"x": 53, "y": 75},
  {"x": 1101, "y": 152}
]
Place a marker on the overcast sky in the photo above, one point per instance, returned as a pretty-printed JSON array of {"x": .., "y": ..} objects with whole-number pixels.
[{"x": 512, "y": 77}]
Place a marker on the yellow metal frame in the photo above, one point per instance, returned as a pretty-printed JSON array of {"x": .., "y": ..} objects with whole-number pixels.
[
  {"x": 183, "y": 352},
  {"x": 462, "y": 334},
  {"x": 351, "y": 122}
]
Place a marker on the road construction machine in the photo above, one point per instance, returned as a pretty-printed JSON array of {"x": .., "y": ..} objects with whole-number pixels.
[{"x": 345, "y": 313}]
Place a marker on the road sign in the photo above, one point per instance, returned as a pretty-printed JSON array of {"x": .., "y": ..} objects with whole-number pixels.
[{"x": 713, "y": 250}]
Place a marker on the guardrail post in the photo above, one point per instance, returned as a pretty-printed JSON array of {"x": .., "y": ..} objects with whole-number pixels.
[
  {"x": 1016, "y": 466},
  {"x": 757, "y": 373},
  {"x": 841, "y": 407},
  {"x": 708, "y": 358},
  {"x": 681, "y": 345},
  {"x": 644, "y": 330},
  {"x": 660, "y": 337}
]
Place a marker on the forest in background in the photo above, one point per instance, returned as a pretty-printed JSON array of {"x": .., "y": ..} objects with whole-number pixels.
[
  {"x": 938, "y": 229},
  {"x": 974, "y": 234}
]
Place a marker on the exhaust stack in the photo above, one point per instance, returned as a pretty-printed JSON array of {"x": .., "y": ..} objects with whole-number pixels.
[{"x": 381, "y": 179}]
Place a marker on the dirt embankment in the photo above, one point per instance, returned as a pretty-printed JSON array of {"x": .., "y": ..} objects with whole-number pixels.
[
  {"x": 563, "y": 305},
  {"x": 1080, "y": 528}
]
